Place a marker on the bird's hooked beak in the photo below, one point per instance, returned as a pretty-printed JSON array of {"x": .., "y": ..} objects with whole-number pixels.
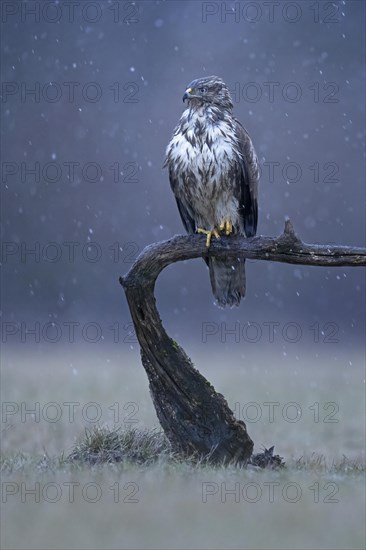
[{"x": 187, "y": 94}]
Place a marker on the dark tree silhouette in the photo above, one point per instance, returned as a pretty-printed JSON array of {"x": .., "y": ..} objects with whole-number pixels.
[{"x": 195, "y": 418}]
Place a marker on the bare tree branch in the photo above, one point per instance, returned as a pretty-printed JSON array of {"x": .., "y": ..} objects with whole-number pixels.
[
  {"x": 194, "y": 417},
  {"x": 286, "y": 248}
]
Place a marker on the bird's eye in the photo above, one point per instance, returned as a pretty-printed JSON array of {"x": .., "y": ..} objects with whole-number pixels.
[{"x": 202, "y": 90}]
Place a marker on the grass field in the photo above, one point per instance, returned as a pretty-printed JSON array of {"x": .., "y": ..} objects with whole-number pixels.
[{"x": 310, "y": 406}]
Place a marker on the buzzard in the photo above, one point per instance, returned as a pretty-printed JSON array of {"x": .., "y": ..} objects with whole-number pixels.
[{"x": 213, "y": 172}]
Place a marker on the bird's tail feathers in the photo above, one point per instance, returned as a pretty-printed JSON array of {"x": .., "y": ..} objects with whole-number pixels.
[{"x": 227, "y": 280}]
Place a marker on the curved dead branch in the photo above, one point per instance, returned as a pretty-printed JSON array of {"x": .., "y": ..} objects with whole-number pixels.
[{"x": 195, "y": 418}]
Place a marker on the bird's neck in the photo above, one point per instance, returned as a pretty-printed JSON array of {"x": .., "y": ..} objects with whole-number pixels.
[{"x": 212, "y": 114}]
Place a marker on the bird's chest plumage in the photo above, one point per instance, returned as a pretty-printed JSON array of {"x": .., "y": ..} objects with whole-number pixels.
[
  {"x": 199, "y": 147},
  {"x": 203, "y": 153}
]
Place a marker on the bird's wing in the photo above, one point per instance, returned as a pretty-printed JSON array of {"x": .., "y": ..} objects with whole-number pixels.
[
  {"x": 248, "y": 181},
  {"x": 184, "y": 210}
]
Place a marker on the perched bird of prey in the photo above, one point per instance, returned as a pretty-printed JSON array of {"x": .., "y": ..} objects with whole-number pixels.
[{"x": 213, "y": 172}]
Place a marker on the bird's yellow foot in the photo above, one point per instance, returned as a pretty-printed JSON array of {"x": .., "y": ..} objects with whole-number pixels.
[
  {"x": 209, "y": 234},
  {"x": 227, "y": 227}
]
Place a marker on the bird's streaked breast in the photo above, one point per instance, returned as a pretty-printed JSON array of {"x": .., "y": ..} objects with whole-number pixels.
[{"x": 203, "y": 150}]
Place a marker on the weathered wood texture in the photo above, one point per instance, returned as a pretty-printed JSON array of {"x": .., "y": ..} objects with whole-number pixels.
[{"x": 195, "y": 418}]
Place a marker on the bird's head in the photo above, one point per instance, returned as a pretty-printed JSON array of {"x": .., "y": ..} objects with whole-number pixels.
[{"x": 208, "y": 90}]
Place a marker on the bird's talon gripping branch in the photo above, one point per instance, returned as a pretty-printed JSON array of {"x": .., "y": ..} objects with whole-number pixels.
[
  {"x": 209, "y": 234},
  {"x": 227, "y": 227}
]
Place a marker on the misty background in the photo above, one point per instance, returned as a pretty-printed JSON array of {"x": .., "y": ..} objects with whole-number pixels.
[{"x": 108, "y": 80}]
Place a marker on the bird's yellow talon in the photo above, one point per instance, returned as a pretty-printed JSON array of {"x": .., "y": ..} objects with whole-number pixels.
[
  {"x": 209, "y": 235},
  {"x": 227, "y": 227}
]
